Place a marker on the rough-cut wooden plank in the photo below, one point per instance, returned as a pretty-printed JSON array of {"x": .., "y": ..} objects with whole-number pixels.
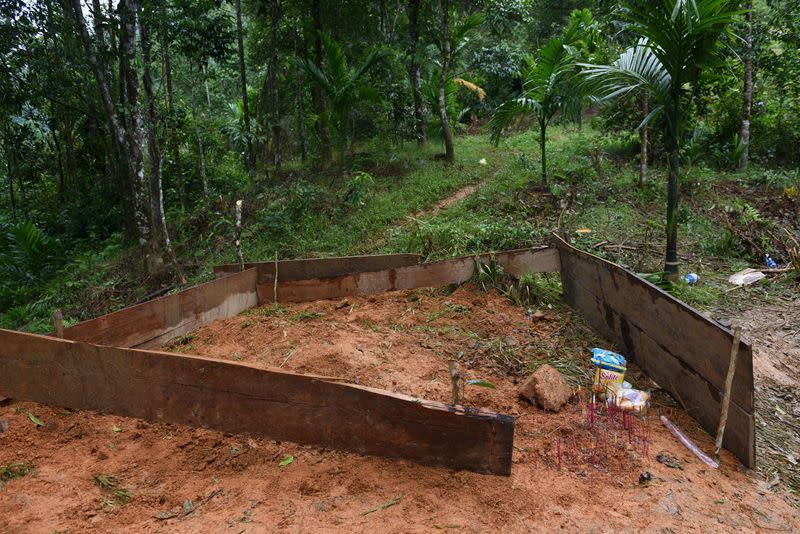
[
  {"x": 698, "y": 341},
  {"x": 153, "y": 323},
  {"x": 433, "y": 274},
  {"x": 290, "y": 270},
  {"x": 236, "y": 397},
  {"x": 611, "y": 300},
  {"x": 701, "y": 399}
]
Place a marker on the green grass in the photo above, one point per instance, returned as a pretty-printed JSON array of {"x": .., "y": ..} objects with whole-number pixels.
[{"x": 342, "y": 212}]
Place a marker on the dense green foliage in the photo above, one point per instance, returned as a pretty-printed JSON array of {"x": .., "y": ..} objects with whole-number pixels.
[{"x": 336, "y": 148}]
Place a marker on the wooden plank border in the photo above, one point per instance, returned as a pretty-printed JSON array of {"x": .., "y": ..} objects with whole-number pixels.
[
  {"x": 155, "y": 322},
  {"x": 433, "y": 274},
  {"x": 683, "y": 351},
  {"x": 303, "y": 269},
  {"x": 243, "y": 398}
]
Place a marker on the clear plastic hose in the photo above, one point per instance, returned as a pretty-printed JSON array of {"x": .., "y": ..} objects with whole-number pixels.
[{"x": 689, "y": 443}]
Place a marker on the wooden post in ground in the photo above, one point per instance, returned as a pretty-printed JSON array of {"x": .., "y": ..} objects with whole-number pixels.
[
  {"x": 456, "y": 380},
  {"x": 239, "y": 234},
  {"x": 726, "y": 399},
  {"x": 58, "y": 322}
]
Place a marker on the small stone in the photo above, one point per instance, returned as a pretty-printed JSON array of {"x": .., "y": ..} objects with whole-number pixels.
[
  {"x": 3, "y": 425},
  {"x": 668, "y": 460},
  {"x": 510, "y": 341},
  {"x": 546, "y": 388},
  {"x": 645, "y": 477}
]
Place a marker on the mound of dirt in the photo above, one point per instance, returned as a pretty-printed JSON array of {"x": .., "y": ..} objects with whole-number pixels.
[{"x": 99, "y": 473}]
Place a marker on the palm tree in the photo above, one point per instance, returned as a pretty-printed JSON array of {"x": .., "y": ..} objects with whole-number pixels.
[
  {"x": 678, "y": 38},
  {"x": 549, "y": 86},
  {"x": 343, "y": 87}
]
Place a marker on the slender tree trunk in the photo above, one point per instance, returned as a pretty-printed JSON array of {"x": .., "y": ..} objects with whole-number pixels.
[
  {"x": 747, "y": 93},
  {"x": 673, "y": 147},
  {"x": 126, "y": 128},
  {"x": 129, "y": 13},
  {"x": 245, "y": 100},
  {"x": 200, "y": 151},
  {"x": 97, "y": 19},
  {"x": 171, "y": 133},
  {"x": 444, "y": 6},
  {"x": 57, "y": 148},
  {"x": 11, "y": 198},
  {"x": 643, "y": 140},
  {"x": 298, "y": 98},
  {"x": 69, "y": 152},
  {"x": 414, "y": 72},
  {"x": 205, "y": 83},
  {"x": 273, "y": 86},
  {"x": 543, "y": 148},
  {"x": 323, "y": 130}
]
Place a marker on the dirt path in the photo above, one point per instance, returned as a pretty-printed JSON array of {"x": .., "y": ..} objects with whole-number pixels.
[
  {"x": 171, "y": 478},
  {"x": 445, "y": 203},
  {"x": 434, "y": 210},
  {"x": 774, "y": 331}
]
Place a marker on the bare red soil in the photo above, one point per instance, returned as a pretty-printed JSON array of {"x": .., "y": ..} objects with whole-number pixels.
[{"x": 180, "y": 479}]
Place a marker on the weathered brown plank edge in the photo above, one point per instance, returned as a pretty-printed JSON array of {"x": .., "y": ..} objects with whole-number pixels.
[
  {"x": 304, "y": 269},
  {"x": 433, "y": 274},
  {"x": 155, "y": 322},
  {"x": 671, "y": 371},
  {"x": 243, "y": 398},
  {"x": 696, "y": 340},
  {"x": 701, "y": 399}
]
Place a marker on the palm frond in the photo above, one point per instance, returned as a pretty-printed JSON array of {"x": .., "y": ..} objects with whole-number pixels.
[
  {"x": 510, "y": 111},
  {"x": 637, "y": 68}
]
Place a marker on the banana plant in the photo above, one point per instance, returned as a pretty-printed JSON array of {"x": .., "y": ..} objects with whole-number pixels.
[
  {"x": 677, "y": 40},
  {"x": 343, "y": 86}
]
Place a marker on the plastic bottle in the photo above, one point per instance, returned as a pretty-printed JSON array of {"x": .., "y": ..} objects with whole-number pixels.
[
  {"x": 770, "y": 262},
  {"x": 691, "y": 278}
]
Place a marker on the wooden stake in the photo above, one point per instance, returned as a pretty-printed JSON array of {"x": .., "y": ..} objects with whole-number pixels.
[
  {"x": 456, "y": 381},
  {"x": 58, "y": 321},
  {"x": 239, "y": 234},
  {"x": 275, "y": 281},
  {"x": 726, "y": 399}
]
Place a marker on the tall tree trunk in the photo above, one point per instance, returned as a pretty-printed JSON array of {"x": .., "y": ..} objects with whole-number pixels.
[
  {"x": 156, "y": 186},
  {"x": 245, "y": 100},
  {"x": 57, "y": 148},
  {"x": 273, "y": 86},
  {"x": 643, "y": 140},
  {"x": 323, "y": 130},
  {"x": 97, "y": 19},
  {"x": 543, "y": 147},
  {"x": 444, "y": 6},
  {"x": 298, "y": 98},
  {"x": 129, "y": 13},
  {"x": 171, "y": 133},
  {"x": 69, "y": 153},
  {"x": 200, "y": 150},
  {"x": 414, "y": 72},
  {"x": 747, "y": 93},
  {"x": 673, "y": 148},
  {"x": 11, "y": 198},
  {"x": 126, "y": 128},
  {"x": 205, "y": 84}
]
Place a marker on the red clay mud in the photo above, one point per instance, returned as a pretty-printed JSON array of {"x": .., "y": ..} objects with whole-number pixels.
[{"x": 567, "y": 475}]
